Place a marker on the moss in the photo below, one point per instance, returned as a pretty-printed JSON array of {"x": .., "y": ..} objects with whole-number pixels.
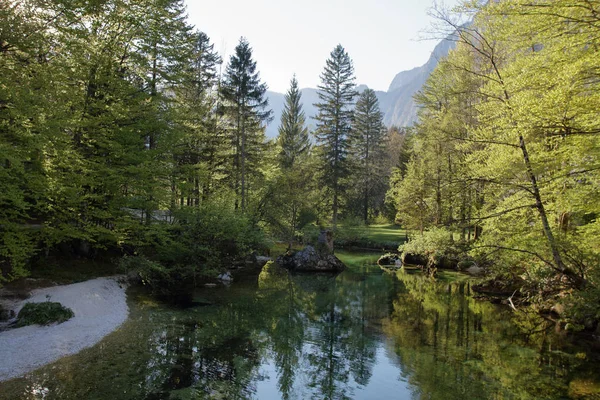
[{"x": 43, "y": 314}]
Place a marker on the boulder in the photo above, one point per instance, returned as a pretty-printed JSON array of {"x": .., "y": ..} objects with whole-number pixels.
[
  {"x": 225, "y": 277},
  {"x": 390, "y": 259},
  {"x": 413, "y": 259},
  {"x": 443, "y": 261},
  {"x": 311, "y": 260},
  {"x": 262, "y": 260},
  {"x": 475, "y": 270}
]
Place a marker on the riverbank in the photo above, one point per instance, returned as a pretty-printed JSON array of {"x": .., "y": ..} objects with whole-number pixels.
[{"x": 100, "y": 307}]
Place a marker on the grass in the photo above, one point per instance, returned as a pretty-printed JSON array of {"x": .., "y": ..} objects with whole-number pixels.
[
  {"x": 375, "y": 237},
  {"x": 386, "y": 233},
  {"x": 383, "y": 237},
  {"x": 43, "y": 314}
]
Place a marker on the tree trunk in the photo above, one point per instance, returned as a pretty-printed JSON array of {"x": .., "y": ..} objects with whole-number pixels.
[{"x": 560, "y": 266}]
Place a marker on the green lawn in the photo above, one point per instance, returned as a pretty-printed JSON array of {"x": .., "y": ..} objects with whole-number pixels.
[{"x": 386, "y": 233}]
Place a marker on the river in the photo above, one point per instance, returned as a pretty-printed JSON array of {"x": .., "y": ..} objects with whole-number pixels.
[{"x": 363, "y": 334}]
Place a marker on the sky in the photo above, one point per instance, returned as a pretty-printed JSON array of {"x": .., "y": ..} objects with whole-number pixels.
[{"x": 382, "y": 37}]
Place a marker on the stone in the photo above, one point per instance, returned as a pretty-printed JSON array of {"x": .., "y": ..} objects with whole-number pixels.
[
  {"x": 413, "y": 259},
  {"x": 474, "y": 270},
  {"x": 310, "y": 260},
  {"x": 263, "y": 260},
  {"x": 390, "y": 259},
  {"x": 225, "y": 278}
]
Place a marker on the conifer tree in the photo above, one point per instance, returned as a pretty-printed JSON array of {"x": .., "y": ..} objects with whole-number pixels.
[
  {"x": 368, "y": 135},
  {"x": 334, "y": 121},
  {"x": 293, "y": 133},
  {"x": 201, "y": 142},
  {"x": 247, "y": 105}
]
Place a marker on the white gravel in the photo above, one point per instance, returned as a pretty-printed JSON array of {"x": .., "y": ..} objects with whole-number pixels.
[{"x": 99, "y": 306}]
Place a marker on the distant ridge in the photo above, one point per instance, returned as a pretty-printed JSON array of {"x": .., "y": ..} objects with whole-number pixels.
[{"x": 397, "y": 104}]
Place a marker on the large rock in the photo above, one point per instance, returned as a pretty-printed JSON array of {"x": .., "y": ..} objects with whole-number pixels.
[
  {"x": 311, "y": 260},
  {"x": 413, "y": 259},
  {"x": 390, "y": 259}
]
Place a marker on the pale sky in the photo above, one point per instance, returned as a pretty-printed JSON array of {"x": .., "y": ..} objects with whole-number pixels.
[{"x": 383, "y": 37}]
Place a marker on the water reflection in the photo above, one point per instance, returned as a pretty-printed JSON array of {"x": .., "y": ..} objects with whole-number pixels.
[{"x": 362, "y": 334}]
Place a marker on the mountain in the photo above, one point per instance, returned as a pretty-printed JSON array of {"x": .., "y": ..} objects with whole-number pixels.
[
  {"x": 277, "y": 103},
  {"x": 397, "y": 104}
]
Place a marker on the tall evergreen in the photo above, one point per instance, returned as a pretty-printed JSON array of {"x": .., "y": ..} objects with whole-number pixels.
[
  {"x": 367, "y": 136},
  {"x": 244, "y": 94},
  {"x": 293, "y": 133},
  {"x": 201, "y": 142},
  {"x": 334, "y": 121}
]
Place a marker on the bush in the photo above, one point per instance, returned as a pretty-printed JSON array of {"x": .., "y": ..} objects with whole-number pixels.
[
  {"x": 198, "y": 245},
  {"x": 437, "y": 246},
  {"x": 434, "y": 241},
  {"x": 43, "y": 314}
]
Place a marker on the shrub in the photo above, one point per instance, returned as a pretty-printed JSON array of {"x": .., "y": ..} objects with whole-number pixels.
[
  {"x": 430, "y": 243},
  {"x": 43, "y": 314},
  {"x": 201, "y": 242}
]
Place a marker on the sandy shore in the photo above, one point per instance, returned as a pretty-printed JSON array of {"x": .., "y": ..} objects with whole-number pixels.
[{"x": 99, "y": 306}]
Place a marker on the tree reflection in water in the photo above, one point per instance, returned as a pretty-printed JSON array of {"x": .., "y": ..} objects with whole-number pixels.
[{"x": 361, "y": 334}]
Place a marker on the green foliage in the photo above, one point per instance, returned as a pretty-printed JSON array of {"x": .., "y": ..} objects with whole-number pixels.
[
  {"x": 432, "y": 242},
  {"x": 334, "y": 121},
  {"x": 43, "y": 314},
  {"x": 293, "y": 133},
  {"x": 506, "y": 151},
  {"x": 245, "y": 101},
  {"x": 173, "y": 258},
  {"x": 368, "y": 158}
]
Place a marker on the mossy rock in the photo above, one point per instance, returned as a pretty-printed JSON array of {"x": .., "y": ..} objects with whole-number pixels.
[{"x": 43, "y": 314}]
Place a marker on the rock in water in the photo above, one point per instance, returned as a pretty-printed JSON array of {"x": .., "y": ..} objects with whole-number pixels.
[
  {"x": 226, "y": 278},
  {"x": 262, "y": 260},
  {"x": 310, "y": 259},
  {"x": 390, "y": 259}
]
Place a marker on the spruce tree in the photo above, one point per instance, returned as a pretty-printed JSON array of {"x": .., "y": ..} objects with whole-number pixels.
[
  {"x": 246, "y": 104},
  {"x": 334, "y": 121},
  {"x": 200, "y": 142},
  {"x": 293, "y": 133},
  {"x": 367, "y": 136}
]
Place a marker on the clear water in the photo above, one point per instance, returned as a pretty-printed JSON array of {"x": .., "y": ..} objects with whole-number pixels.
[{"x": 364, "y": 334}]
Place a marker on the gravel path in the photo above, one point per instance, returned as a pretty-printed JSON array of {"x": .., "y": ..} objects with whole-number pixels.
[{"x": 99, "y": 306}]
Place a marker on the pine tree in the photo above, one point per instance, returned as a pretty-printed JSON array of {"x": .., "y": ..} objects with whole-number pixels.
[
  {"x": 293, "y": 134},
  {"x": 201, "y": 142},
  {"x": 368, "y": 140},
  {"x": 247, "y": 106},
  {"x": 334, "y": 121}
]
